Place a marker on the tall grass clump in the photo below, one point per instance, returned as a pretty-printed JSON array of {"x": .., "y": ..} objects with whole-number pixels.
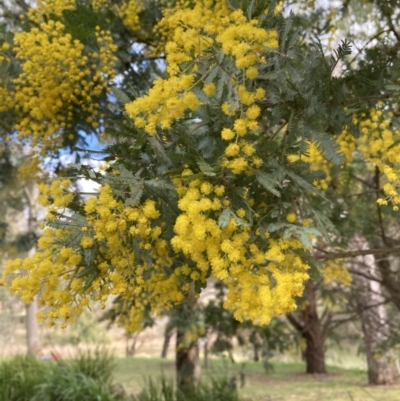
[
  {"x": 20, "y": 375},
  {"x": 217, "y": 389},
  {"x": 88, "y": 377},
  {"x": 98, "y": 364}
]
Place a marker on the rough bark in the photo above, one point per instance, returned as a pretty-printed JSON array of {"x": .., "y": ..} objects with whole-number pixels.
[
  {"x": 369, "y": 302},
  {"x": 310, "y": 329},
  {"x": 389, "y": 280}
]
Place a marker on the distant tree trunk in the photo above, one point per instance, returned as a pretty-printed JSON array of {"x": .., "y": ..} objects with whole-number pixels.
[
  {"x": 389, "y": 279},
  {"x": 369, "y": 302},
  {"x": 205, "y": 346},
  {"x": 186, "y": 352},
  {"x": 256, "y": 352},
  {"x": 310, "y": 329},
  {"x": 256, "y": 343},
  {"x": 187, "y": 364},
  {"x": 32, "y": 329},
  {"x": 169, "y": 331}
]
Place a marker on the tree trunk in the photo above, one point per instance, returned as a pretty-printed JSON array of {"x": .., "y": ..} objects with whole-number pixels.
[
  {"x": 32, "y": 329},
  {"x": 256, "y": 342},
  {"x": 389, "y": 280},
  {"x": 186, "y": 351},
  {"x": 311, "y": 331},
  {"x": 256, "y": 352},
  {"x": 205, "y": 346},
  {"x": 167, "y": 339},
  {"x": 369, "y": 302},
  {"x": 312, "y": 334},
  {"x": 187, "y": 365}
]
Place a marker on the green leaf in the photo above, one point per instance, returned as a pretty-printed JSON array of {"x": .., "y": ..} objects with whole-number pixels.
[
  {"x": 135, "y": 194},
  {"x": 301, "y": 233},
  {"x": 85, "y": 272},
  {"x": 224, "y": 218},
  {"x": 211, "y": 75},
  {"x": 326, "y": 227},
  {"x": 239, "y": 221},
  {"x": 89, "y": 255},
  {"x": 392, "y": 87},
  {"x": 122, "y": 98},
  {"x": 304, "y": 185},
  {"x": 90, "y": 280},
  {"x": 205, "y": 167},
  {"x": 267, "y": 182},
  {"x": 159, "y": 149},
  {"x": 234, "y": 4},
  {"x": 276, "y": 226},
  {"x": 343, "y": 50}
]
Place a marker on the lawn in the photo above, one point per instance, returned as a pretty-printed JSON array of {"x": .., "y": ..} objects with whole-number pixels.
[{"x": 287, "y": 382}]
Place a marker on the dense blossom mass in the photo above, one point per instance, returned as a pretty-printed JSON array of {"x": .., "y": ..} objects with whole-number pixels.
[
  {"x": 153, "y": 235},
  {"x": 377, "y": 147},
  {"x": 60, "y": 77}
]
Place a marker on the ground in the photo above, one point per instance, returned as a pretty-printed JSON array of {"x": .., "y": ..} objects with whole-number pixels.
[{"x": 286, "y": 383}]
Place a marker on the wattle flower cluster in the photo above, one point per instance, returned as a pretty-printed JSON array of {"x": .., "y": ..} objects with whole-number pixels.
[
  {"x": 111, "y": 247},
  {"x": 61, "y": 80}
]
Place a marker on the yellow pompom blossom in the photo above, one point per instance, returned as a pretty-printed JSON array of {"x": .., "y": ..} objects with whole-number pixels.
[
  {"x": 291, "y": 217},
  {"x": 204, "y": 14},
  {"x": 55, "y": 77},
  {"x": 378, "y": 146},
  {"x": 209, "y": 89},
  {"x": 194, "y": 36},
  {"x": 47, "y": 7},
  {"x": 129, "y": 12},
  {"x": 247, "y": 270},
  {"x": 262, "y": 280},
  {"x": 7, "y": 100},
  {"x": 336, "y": 272},
  {"x": 59, "y": 77},
  {"x": 54, "y": 269},
  {"x": 379, "y": 143}
]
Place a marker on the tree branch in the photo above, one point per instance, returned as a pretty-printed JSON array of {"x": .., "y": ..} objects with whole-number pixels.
[
  {"x": 380, "y": 219},
  {"x": 365, "y": 99},
  {"x": 387, "y": 12},
  {"x": 352, "y": 254},
  {"x": 326, "y": 325},
  {"x": 295, "y": 323}
]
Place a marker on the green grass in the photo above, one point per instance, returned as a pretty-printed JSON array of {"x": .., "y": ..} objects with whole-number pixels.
[{"x": 286, "y": 383}]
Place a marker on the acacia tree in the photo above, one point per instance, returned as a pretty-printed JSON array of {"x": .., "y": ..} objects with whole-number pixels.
[{"x": 223, "y": 167}]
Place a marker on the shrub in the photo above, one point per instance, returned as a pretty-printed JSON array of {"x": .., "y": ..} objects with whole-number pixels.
[
  {"x": 98, "y": 364},
  {"x": 86, "y": 378},
  {"x": 20, "y": 375}
]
